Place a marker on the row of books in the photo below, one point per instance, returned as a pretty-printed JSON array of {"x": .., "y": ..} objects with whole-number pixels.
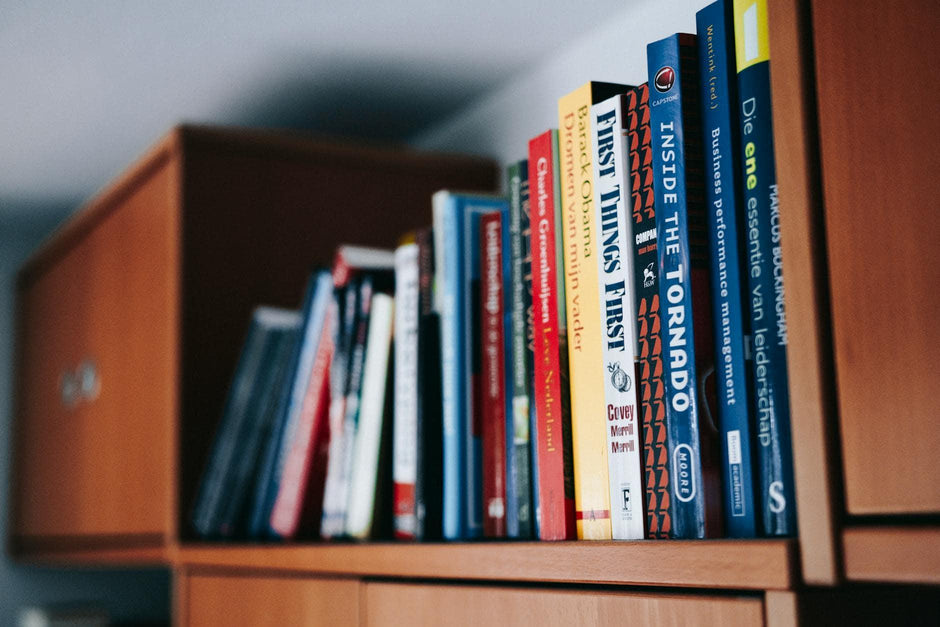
[{"x": 599, "y": 354}]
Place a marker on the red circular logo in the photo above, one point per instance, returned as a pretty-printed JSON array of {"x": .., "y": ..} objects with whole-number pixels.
[{"x": 665, "y": 78}]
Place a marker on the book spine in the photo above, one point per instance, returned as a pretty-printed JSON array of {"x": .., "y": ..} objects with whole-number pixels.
[
  {"x": 719, "y": 126},
  {"x": 618, "y": 345},
  {"x": 304, "y": 463},
  {"x": 519, "y": 289},
  {"x": 493, "y": 377},
  {"x": 555, "y": 481},
  {"x": 649, "y": 364},
  {"x": 683, "y": 260},
  {"x": 428, "y": 486},
  {"x": 364, "y": 470},
  {"x": 405, "y": 445},
  {"x": 765, "y": 270},
  {"x": 449, "y": 296},
  {"x": 345, "y": 306},
  {"x": 592, "y": 498}
]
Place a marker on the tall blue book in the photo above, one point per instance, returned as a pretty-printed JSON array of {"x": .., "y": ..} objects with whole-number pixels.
[
  {"x": 684, "y": 288},
  {"x": 517, "y": 260},
  {"x": 456, "y": 296},
  {"x": 764, "y": 270},
  {"x": 724, "y": 215},
  {"x": 318, "y": 295}
]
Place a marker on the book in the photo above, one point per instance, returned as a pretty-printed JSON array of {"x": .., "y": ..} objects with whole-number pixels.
[
  {"x": 765, "y": 271},
  {"x": 336, "y": 491},
  {"x": 457, "y": 272},
  {"x": 429, "y": 491},
  {"x": 614, "y": 267},
  {"x": 365, "y": 495},
  {"x": 297, "y": 502},
  {"x": 240, "y": 416},
  {"x": 724, "y": 217},
  {"x": 521, "y": 411},
  {"x": 588, "y": 417},
  {"x": 649, "y": 364},
  {"x": 553, "y": 487},
  {"x": 493, "y": 376},
  {"x": 684, "y": 291},
  {"x": 318, "y": 295},
  {"x": 405, "y": 444}
]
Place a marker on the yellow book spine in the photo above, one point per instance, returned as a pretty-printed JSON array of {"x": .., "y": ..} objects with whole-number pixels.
[
  {"x": 751, "y": 38},
  {"x": 585, "y": 361}
]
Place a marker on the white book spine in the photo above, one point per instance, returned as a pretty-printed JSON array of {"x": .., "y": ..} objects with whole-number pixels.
[
  {"x": 612, "y": 208},
  {"x": 364, "y": 473},
  {"x": 405, "y": 444}
]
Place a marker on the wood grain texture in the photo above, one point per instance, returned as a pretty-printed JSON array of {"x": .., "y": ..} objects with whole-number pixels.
[
  {"x": 733, "y": 564},
  {"x": 235, "y": 599},
  {"x": 412, "y": 604},
  {"x": 892, "y": 554},
  {"x": 97, "y": 466},
  {"x": 878, "y": 84},
  {"x": 809, "y": 354}
]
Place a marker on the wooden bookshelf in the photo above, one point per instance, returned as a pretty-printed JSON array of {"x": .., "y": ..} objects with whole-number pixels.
[{"x": 731, "y": 564}]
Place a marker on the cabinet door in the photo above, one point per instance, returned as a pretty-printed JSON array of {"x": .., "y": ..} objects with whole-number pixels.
[
  {"x": 405, "y": 604},
  {"x": 97, "y": 378},
  {"x": 878, "y": 86},
  {"x": 255, "y": 601}
]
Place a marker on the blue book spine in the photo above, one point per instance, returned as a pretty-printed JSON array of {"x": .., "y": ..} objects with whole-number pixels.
[
  {"x": 449, "y": 297},
  {"x": 683, "y": 262},
  {"x": 457, "y": 268},
  {"x": 719, "y": 126},
  {"x": 317, "y": 299},
  {"x": 764, "y": 270}
]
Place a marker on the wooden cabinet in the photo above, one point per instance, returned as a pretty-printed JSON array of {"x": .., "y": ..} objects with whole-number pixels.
[{"x": 131, "y": 317}]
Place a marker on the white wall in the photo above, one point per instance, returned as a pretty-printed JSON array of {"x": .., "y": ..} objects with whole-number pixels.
[
  {"x": 127, "y": 596},
  {"x": 501, "y": 124}
]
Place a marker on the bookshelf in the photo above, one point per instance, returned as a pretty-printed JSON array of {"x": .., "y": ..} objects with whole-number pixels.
[{"x": 852, "y": 530}]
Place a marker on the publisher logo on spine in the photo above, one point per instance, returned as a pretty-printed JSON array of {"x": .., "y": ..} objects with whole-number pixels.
[{"x": 664, "y": 80}]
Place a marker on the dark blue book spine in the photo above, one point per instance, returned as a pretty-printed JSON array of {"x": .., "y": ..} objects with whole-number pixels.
[
  {"x": 719, "y": 126},
  {"x": 517, "y": 260},
  {"x": 765, "y": 271},
  {"x": 676, "y": 137}
]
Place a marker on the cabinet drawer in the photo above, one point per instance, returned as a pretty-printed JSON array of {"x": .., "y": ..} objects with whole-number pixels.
[
  {"x": 97, "y": 377},
  {"x": 403, "y": 604},
  {"x": 256, "y": 601}
]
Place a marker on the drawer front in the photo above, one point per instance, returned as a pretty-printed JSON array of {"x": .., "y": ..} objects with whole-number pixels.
[
  {"x": 97, "y": 377},
  {"x": 257, "y": 601},
  {"x": 404, "y": 604}
]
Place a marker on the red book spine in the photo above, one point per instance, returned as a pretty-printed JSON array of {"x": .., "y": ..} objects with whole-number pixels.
[
  {"x": 651, "y": 392},
  {"x": 493, "y": 377},
  {"x": 300, "y": 494},
  {"x": 554, "y": 484}
]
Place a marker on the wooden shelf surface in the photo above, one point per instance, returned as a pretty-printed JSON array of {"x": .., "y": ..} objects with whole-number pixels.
[
  {"x": 892, "y": 554},
  {"x": 730, "y": 564}
]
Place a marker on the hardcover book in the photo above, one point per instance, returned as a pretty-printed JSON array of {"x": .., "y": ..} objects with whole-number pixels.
[
  {"x": 649, "y": 366},
  {"x": 521, "y": 411},
  {"x": 429, "y": 491},
  {"x": 405, "y": 445},
  {"x": 764, "y": 270},
  {"x": 684, "y": 290},
  {"x": 457, "y": 268},
  {"x": 554, "y": 484},
  {"x": 493, "y": 379},
  {"x": 588, "y": 416},
  {"x": 614, "y": 267},
  {"x": 724, "y": 213}
]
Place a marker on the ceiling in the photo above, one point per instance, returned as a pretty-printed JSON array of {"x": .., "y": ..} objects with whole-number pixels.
[{"x": 85, "y": 87}]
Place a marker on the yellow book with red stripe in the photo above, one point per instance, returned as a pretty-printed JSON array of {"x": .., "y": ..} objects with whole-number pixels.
[{"x": 585, "y": 358}]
